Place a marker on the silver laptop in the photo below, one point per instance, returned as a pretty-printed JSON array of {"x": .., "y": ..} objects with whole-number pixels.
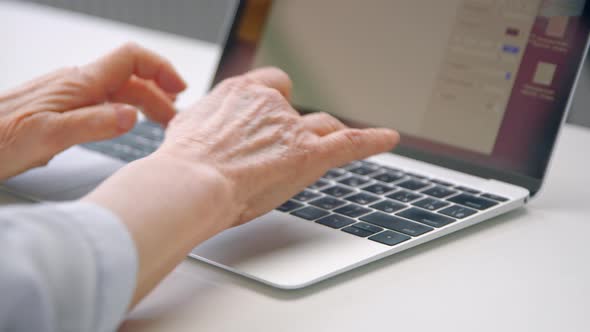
[{"x": 478, "y": 89}]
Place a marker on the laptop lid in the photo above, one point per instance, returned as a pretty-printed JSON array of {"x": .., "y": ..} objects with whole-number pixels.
[{"x": 479, "y": 86}]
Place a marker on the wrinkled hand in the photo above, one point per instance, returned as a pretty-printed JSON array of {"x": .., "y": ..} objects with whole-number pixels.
[
  {"x": 247, "y": 131},
  {"x": 81, "y": 104},
  {"x": 236, "y": 154}
]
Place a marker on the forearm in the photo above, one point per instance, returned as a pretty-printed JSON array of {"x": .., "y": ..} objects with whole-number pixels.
[{"x": 165, "y": 231}]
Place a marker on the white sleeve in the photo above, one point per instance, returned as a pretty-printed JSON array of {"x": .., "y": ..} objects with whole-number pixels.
[{"x": 64, "y": 267}]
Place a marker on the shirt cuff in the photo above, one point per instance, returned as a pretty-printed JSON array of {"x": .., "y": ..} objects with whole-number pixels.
[{"x": 116, "y": 259}]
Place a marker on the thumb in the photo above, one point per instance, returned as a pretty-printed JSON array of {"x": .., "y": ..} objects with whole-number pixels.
[{"x": 94, "y": 123}]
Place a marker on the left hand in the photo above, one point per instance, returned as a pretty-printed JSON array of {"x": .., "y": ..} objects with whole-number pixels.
[{"x": 82, "y": 104}]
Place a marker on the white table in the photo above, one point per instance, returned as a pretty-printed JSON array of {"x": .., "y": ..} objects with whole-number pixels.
[{"x": 525, "y": 271}]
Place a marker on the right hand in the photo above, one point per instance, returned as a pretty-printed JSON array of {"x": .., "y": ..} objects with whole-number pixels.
[
  {"x": 247, "y": 131},
  {"x": 236, "y": 154}
]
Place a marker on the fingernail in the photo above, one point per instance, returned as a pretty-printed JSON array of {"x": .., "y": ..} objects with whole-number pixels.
[
  {"x": 126, "y": 116},
  {"x": 172, "y": 82}
]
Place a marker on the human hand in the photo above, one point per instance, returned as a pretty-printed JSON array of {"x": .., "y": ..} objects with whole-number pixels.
[
  {"x": 81, "y": 104},
  {"x": 246, "y": 130},
  {"x": 237, "y": 153}
]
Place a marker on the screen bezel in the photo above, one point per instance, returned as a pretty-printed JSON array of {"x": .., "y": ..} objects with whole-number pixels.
[{"x": 533, "y": 184}]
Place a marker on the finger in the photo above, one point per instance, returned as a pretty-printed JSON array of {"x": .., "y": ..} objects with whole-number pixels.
[
  {"x": 273, "y": 78},
  {"x": 172, "y": 96},
  {"x": 321, "y": 123},
  {"x": 92, "y": 123},
  {"x": 344, "y": 146},
  {"x": 113, "y": 70},
  {"x": 154, "y": 103}
]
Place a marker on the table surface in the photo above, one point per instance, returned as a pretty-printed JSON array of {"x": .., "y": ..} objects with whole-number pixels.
[{"x": 524, "y": 271}]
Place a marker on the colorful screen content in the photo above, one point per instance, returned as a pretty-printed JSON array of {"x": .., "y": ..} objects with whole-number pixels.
[{"x": 482, "y": 81}]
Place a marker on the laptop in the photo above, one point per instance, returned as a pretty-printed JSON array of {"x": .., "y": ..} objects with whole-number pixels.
[{"x": 477, "y": 88}]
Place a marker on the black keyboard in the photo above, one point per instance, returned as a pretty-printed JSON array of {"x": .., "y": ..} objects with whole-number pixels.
[
  {"x": 141, "y": 141},
  {"x": 385, "y": 204}
]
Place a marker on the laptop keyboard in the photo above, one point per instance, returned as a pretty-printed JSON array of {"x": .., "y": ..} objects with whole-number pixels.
[
  {"x": 385, "y": 204},
  {"x": 141, "y": 141}
]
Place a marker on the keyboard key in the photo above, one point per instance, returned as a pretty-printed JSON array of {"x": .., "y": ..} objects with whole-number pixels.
[
  {"x": 319, "y": 184},
  {"x": 354, "y": 181},
  {"x": 351, "y": 165},
  {"x": 137, "y": 142},
  {"x": 305, "y": 196},
  {"x": 363, "y": 170},
  {"x": 431, "y": 204},
  {"x": 468, "y": 190},
  {"x": 439, "y": 192},
  {"x": 357, "y": 231},
  {"x": 388, "y": 177},
  {"x": 388, "y": 206},
  {"x": 393, "y": 169},
  {"x": 327, "y": 203},
  {"x": 404, "y": 196},
  {"x": 417, "y": 176},
  {"x": 310, "y": 213},
  {"x": 352, "y": 210},
  {"x": 370, "y": 164},
  {"x": 413, "y": 184},
  {"x": 289, "y": 206},
  {"x": 424, "y": 217},
  {"x": 396, "y": 224},
  {"x": 378, "y": 189},
  {"x": 153, "y": 125},
  {"x": 149, "y": 130},
  {"x": 334, "y": 173},
  {"x": 473, "y": 201},
  {"x": 457, "y": 211},
  {"x": 368, "y": 227},
  {"x": 442, "y": 183},
  {"x": 495, "y": 197},
  {"x": 337, "y": 191},
  {"x": 141, "y": 141},
  {"x": 362, "y": 198},
  {"x": 389, "y": 238},
  {"x": 335, "y": 221}
]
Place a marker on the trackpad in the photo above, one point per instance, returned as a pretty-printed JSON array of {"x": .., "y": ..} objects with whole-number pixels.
[
  {"x": 69, "y": 175},
  {"x": 285, "y": 251}
]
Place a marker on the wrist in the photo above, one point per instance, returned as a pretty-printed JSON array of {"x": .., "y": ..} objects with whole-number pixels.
[
  {"x": 203, "y": 184},
  {"x": 185, "y": 195}
]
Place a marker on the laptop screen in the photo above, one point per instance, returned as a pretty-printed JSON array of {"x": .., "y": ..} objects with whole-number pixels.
[{"x": 484, "y": 82}]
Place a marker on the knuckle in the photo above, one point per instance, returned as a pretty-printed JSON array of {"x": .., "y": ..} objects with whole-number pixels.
[
  {"x": 51, "y": 127},
  {"x": 353, "y": 138},
  {"x": 82, "y": 76},
  {"x": 138, "y": 84},
  {"x": 308, "y": 153},
  {"x": 73, "y": 80},
  {"x": 41, "y": 162},
  {"x": 330, "y": 121},
  {"x": 69, "y": 75},
  {"x": 288, "y": 125},
  {"x": 279, "y": 73},
  {"x": 56, "y": 134},
  {"x": 68, "y": 71},
  {"x": 130, "y": 47},
  {"x": 270, "y": 94},
  {"x": 278, "y": 135},
  {"x": 232, "y": 83}
]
